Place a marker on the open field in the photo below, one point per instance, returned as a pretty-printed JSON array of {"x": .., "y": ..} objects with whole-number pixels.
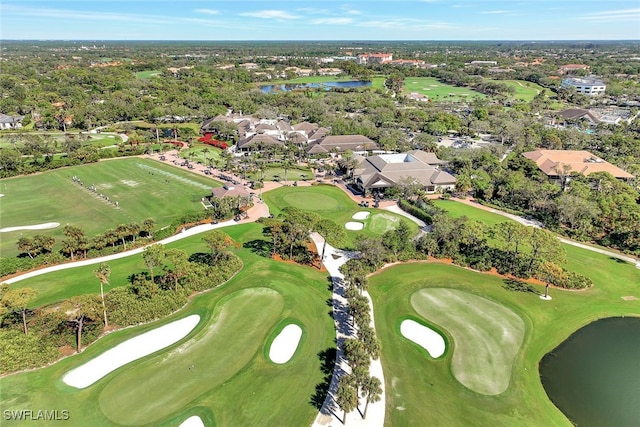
[
  {"x": 232, "y": 382},
  {"x": 423, "y": 390},
  {"x": 525, "y": 90},
  {"x": 148, "y": 74},
  {"x": 436, "y": 90},
  {"x": 332, "y": 203},
  {"x": 141, "y": 187}
]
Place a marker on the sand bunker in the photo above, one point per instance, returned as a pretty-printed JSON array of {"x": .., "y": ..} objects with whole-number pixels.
[
  {"x": 355, "y": 226},
  {"x": 44, "y": 226},
  {"x": 361, "y": 215},
  {"x": 285, "y": 344},
  {"x": 130, "y": 350},
  {"x": 1, "y": 195},
  {"x": 426, "y": 338},
  {"x": 193, "y": 421}
]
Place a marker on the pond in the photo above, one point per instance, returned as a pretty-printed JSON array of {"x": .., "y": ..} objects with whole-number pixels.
[
  {"x": 594, "y": 376},
  {"x": 286, "y": 87}
]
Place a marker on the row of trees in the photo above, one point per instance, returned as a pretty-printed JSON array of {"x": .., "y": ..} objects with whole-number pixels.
[
  {"x": 360, "y": 349},
  {"x": 31, "y": 336}
]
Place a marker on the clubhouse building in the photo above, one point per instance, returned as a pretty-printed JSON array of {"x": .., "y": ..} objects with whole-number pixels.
[{"x": 375, "y": 173}]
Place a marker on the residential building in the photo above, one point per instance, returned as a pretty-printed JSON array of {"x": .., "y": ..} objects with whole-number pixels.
[
  {"x": 375, "y": 58},
  {"x": 589, "y": 86},
  {"x": 557, "y": 164},
  {"x": 375, "y": 173},
  {"x": 10, "y": 122}
]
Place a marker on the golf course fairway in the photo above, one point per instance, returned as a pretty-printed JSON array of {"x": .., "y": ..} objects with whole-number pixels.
[{"x": 236, "y": 331}]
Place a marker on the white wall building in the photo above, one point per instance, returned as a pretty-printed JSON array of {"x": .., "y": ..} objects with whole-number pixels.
[{"x": 589, "y": 86}]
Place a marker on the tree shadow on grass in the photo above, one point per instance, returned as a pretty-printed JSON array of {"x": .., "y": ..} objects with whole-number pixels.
[
  {"x": 327, "y": 362},
  {"x": 519, "y": 286},
  {"x": 260, "y": 247}
]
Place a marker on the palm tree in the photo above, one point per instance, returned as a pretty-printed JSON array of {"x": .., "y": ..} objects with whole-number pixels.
[
  {"x": 371, "y": 389},
  {"x": 102, "y": 273},
  {"x": 205, "y": 150},
  {"x": 346, "y": 397}
]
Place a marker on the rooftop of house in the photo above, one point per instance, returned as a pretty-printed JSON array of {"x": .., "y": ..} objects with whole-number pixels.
[
  {"x": 389, "y": 169},
  {"x": 551, "y": 162}
]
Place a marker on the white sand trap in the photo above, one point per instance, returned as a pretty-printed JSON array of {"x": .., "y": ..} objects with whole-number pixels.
[
  {"x": 355, "y": 226},
  {"x": 425, "y": 337},
  {"x": 44, "y": 226},
  {"x": 193, "y": 421},
  {"x": 361, "y": 215},
  {"x": 285, "y": 344},
  {"x": 130, "y": 350},
  {"x": 1, "y": 195}
]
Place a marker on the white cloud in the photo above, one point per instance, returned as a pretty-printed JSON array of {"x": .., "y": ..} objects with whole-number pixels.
[
  {"x": 7, "y": 10},
  {"x": 208, "y": 11},
  {"x": 270, "y": 14},
  {"x": 496, "y": 12},
  {"x": 313, "y": 11},
  {"x": 407, "y": 25},
  {"x": 613, "y": 15},
  {"x": 332, "y": 21}
]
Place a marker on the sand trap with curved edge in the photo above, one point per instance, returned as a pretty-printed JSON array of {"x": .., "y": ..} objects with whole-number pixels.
[
  {"x": 193, "y": 421},
  {"x": 425, "y": 337},
  {"x": 354, "y": 226},
  {"x": 285, "y": 344},
  {"x": 44, "y": 226},
  {"x": 130, "y": 350},
  {"x": 361, "y": 215}
]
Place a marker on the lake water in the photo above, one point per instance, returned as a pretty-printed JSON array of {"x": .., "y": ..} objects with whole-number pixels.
[
  {"x": 594, "y": 376},
  {"x": 326, "y": 85}
]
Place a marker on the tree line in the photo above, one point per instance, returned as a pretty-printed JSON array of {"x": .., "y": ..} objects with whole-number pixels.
[{"x": 32, "y": 336}]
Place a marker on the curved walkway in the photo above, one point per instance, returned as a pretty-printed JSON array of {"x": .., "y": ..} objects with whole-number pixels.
[
  {"x": 257, "y": 211},
  {"x": 538, "y": 224},
  {"x": 330, "y": 412}
]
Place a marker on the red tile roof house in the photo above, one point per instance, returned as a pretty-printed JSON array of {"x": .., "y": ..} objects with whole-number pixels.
[
  {"x": 375, "y": 173},
  {"x": 554, "y": 163}
]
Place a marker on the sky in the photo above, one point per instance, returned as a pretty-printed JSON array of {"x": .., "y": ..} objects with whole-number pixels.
[{"x": 320, "y": 20}]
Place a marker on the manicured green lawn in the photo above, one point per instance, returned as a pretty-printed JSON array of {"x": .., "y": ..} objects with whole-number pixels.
[
  {"x": 142, "y": 188},
  {"x": 437, "y": 90},
  {"x": 148, "y": 74},
  {"x": 277, "y": 174},
  {"x": 425, "y": 391},
  {"x": 332, "y": 203},
  {"x": 487, "y": 336},
  {"x": 233, "y": 383},
  {"x": 524, "y": 90}
]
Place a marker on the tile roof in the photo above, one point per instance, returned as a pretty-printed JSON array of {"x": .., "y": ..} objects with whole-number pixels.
[{"x": 580, "y": 161}]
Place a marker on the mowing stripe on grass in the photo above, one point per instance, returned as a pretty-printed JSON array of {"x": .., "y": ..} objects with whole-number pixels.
[
  {"x": 487, "y": 336},
  {"x": 174, "y": 176}
]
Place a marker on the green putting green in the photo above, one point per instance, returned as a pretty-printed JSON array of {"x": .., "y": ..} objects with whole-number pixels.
[
  {"x": 311, "y": 200},
  {"x": 167, "y": 382},
  {"x": 486, "y": 336},
  {"x": 379, "y": 223}
]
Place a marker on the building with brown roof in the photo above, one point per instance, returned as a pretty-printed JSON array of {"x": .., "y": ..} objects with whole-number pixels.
[
  {"x": 342, "y": 143},
  {"x": 387, "y": 170},
  {"x": 555, "y": 163}
]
